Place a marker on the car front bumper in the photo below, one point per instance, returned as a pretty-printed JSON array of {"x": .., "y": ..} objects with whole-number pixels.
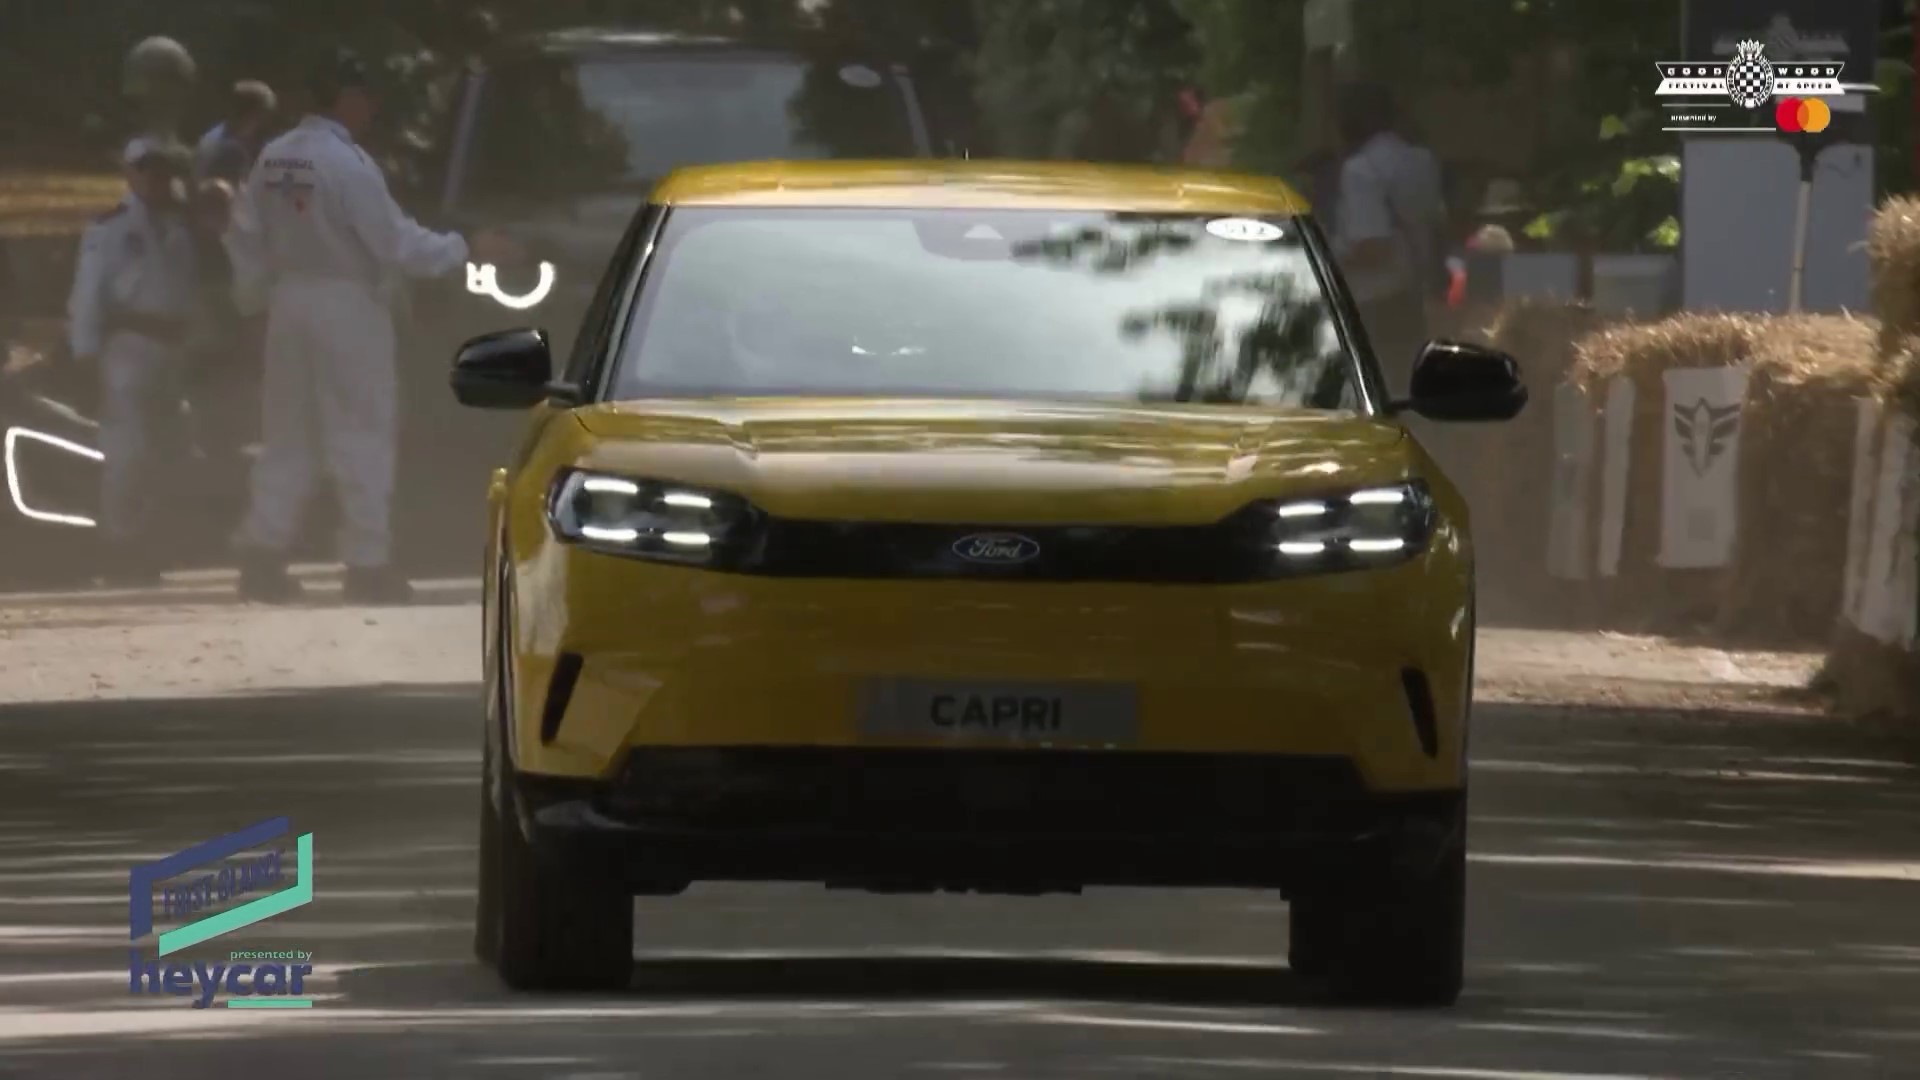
[{"x": 985, "y": 820}]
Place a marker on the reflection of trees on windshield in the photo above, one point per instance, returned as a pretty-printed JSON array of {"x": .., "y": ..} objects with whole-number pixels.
[
  {"x": 1282, "y": 342},
  {"x": 541, "y": 135}
]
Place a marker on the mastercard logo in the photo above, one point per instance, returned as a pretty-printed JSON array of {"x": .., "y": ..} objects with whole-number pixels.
[{"x": 1802, "y": 114}]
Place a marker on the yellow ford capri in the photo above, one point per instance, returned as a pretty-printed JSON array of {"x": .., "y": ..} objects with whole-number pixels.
[{"x": 982, "y": 527}]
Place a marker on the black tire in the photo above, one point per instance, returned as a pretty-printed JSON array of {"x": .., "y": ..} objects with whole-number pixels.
[
  {"x": 1398, "y": 944},
  {"x": 556, "y": 924},
  {"x": 542, "y": 921},
  {"x": 486, "y": 916},
  {"x": 1307, "y": 936}
]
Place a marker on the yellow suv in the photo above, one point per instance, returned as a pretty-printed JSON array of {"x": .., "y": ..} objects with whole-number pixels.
[{"x": 976, "y": 526}]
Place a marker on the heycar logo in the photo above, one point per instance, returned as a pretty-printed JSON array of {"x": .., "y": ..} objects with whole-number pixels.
[
  {"x": 201, "y": 879},
  {"x": 996, "y": 548}
]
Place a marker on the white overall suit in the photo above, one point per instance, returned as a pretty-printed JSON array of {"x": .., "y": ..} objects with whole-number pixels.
[
  {"x": 318, "y": 229},
  {"x": 134, "y": 296}
]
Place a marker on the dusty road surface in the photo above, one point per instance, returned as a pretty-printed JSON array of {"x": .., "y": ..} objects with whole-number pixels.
[{"x": 1678, "y": 873}]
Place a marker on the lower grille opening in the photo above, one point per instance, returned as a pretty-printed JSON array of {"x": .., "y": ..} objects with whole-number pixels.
[
  {"x": 923, "y": 792},
  {"x": 566, "y": 673},
  {"x": 1420, "y": 704}
]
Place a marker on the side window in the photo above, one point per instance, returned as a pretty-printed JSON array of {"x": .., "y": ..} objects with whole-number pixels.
[{"x": 598, "y": 323}]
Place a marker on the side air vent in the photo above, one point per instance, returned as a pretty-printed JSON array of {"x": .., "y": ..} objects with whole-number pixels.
[
  {"x": 566, "y": 673},
  {"x": 1420, "y": 705}
]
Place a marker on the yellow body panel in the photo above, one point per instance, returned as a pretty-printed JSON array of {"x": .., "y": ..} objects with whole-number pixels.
[
  {"x": 687, "y": 657},
  {"x": 977, "y": 184}
]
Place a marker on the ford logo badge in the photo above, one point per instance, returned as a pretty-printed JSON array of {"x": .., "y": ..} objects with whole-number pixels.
[{"x": 1000, "y": 549}]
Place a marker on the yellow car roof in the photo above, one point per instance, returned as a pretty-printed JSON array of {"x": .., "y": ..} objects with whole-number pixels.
[{"x": 976, "y": 184}]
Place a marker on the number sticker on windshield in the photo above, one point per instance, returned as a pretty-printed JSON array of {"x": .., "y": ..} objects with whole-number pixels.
[
  {"x": 1245, "y": 230},
  {"x": 860, "y": 75}
]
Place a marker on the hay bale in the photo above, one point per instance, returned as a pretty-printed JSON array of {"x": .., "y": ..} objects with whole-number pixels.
[
  {"x": 1896, "y": 376},
  {"x": 1893, "y": 249},
  {"x": 1796, "y": 477},
  {"x": 1543, "y": 334},
  {"x": 1644, "y": 596},
  {"x": 1868, "y": 678}
]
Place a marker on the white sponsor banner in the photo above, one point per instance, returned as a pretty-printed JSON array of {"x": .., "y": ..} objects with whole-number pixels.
[
  {"x": 1617, "y": 443},
  {"x": 1573, "y": 454},
  {"x": 1699, "y": 504},
  {"x": 1887, "y": 594},
  {"x": 1860, "y": 509}
]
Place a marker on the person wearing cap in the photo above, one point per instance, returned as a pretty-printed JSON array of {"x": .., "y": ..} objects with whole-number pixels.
[
  {"x": 129, "y": 316},
  {"x": 228, "y": 150},
  {"x": 317, "y": 235},
  {"x": 1386, "y": 228}
]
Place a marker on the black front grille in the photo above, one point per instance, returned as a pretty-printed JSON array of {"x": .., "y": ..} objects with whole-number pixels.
[
  {"x": 1228, "y": 551},
  {"x": 960, "y": 791}
]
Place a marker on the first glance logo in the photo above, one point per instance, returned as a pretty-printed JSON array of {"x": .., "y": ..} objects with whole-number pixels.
[
  {"x": 1705, "y": 431},
  {"x": 195, "y": 882}
]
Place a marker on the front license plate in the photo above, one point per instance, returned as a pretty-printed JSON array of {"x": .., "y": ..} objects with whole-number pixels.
[{"x": 1075, "y": 712}]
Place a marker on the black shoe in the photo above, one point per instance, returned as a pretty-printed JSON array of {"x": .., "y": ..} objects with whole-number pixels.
[
  {"x": 267, "y": 582},
  {"x": 378, "y": 586}
]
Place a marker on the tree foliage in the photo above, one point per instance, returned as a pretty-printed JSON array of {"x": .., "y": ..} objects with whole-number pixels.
[
  {"x": 1090, "y": 79},
  {"x": 1602, "y": 172}
]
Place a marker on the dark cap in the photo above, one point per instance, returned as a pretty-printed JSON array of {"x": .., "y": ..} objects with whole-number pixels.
[{"x": 337, "y": 71}]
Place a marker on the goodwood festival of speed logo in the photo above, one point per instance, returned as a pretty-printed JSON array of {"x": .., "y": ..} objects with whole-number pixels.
[{"x": 1750, "y": 80}]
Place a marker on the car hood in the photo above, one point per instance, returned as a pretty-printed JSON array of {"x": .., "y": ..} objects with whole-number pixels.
[{"x": 988, "y": 462}]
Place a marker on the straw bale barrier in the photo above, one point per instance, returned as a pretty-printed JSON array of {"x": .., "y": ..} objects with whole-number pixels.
[
  {"x": 1865, "y": 675},
  {"x": 1795, "y": 477},
  {"x": 1872, "y": 680},
  {"x": 1893, "y": 248},
  {"x": 1643, "y": 596}
]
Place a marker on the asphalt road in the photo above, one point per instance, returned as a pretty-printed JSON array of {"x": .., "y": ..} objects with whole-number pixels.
[{"x": 1698, "y": 891}]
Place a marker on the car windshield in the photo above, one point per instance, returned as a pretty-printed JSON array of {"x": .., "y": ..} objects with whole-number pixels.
[
  {"x": 1032, "y": 304},
  {"x": 562, "y": 124}
]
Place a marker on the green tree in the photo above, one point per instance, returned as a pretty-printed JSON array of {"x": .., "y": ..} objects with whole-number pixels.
[
  {"x": 1091, "y": 79},
  {"x": 1601, "y": 173},
  {"x": 1251, "y": 51}
]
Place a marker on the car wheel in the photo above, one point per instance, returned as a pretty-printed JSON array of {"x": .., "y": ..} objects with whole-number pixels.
[
  {"x": 1307, "y": 937},
  {"x": 562, "y": 925},
  {"x": 543, "y": 921},
  {"x": 486, "y": 919},
  {"x": 486, "y": 916},
  {"x": 1401, "y": 942}
]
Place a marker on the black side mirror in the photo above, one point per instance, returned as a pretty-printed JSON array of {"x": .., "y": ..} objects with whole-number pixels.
[
  {"x": 508, "y": 369},
  {"x": 1456, "y": 381}
]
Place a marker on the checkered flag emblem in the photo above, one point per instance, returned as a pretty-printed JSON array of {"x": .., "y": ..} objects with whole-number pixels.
[{"x": 1750, "y": 77}]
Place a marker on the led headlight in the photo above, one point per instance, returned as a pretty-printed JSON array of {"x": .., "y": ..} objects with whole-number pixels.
[
  {"x": 1354, "y": 530},
  {"x": 648, "y": 519}
]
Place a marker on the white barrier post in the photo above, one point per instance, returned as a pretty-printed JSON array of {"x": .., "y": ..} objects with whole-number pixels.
[
  {"x": 1617, "y": 423},
  {"x": 1885, "y": 610},
  {"x": 1859, "y": 511},
  {"x": 1573, "y": 450}
]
